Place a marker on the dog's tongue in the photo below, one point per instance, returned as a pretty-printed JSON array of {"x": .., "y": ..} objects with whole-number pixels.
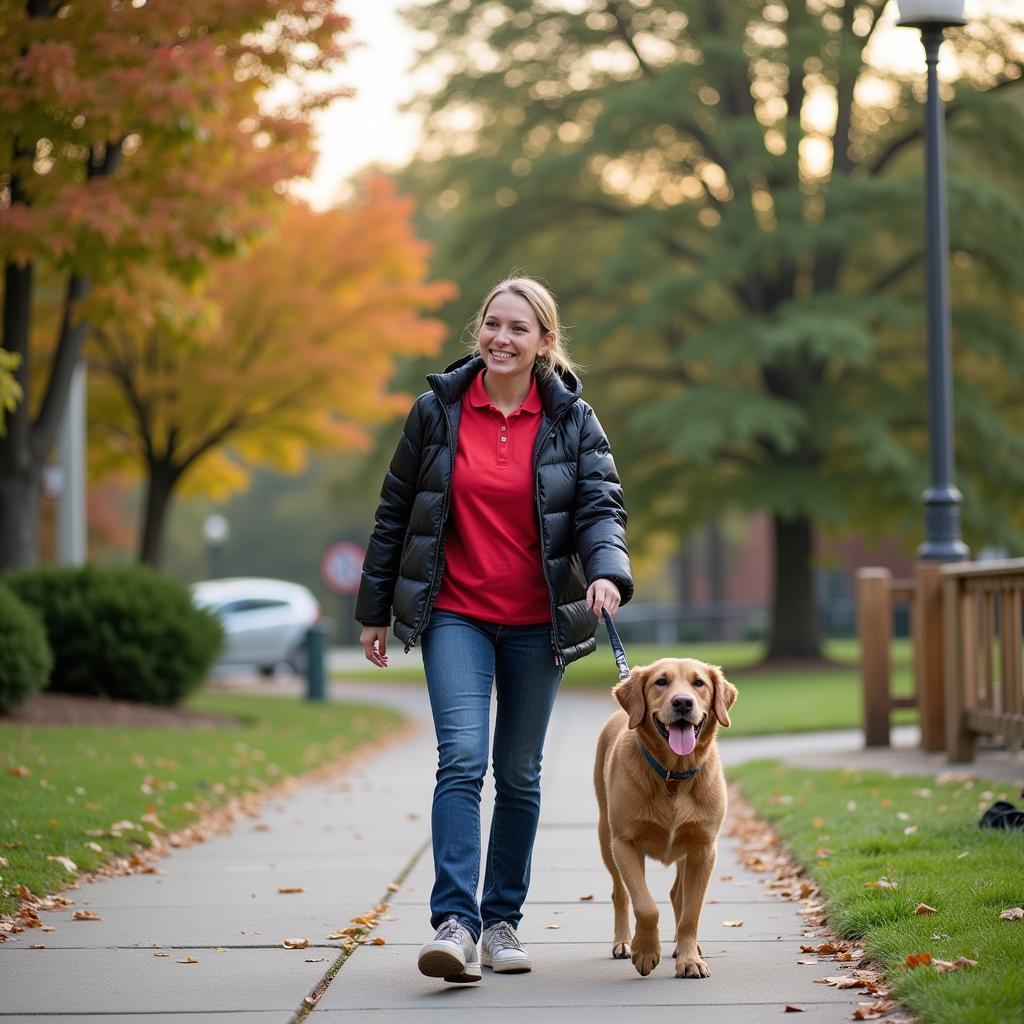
[{"x": 681, "y": 738}]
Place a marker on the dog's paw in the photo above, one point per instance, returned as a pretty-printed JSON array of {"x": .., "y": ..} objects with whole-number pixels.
[
  {"x": 645, "y": 957},
  {"x": 621, "y": 951},
  {"x": 691, "y": 967}
]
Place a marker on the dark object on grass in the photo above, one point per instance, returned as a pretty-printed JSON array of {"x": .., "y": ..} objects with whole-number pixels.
[
  {"x": 25, "y": 657},
  {"x": 125, "y": 632},
  {"x": 1002, "y": 814}
]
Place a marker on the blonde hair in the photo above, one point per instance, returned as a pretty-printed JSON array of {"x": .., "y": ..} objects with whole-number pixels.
[{"x": 545, "y": 308}]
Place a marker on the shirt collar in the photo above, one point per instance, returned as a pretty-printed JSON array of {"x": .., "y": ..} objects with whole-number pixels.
[{"x": 478, "y": 397}]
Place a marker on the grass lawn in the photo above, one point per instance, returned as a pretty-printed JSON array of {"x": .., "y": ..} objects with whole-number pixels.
[
  {"x": 853, "y": 828},
  {"x": 58, "y": 784},
  {"x": 794, "y": 700}
]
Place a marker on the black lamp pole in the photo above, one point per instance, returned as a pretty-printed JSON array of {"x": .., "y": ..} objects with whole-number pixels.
[{"x": 942, "y": 541}]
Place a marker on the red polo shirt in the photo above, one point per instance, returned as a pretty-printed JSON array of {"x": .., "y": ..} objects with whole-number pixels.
[{"x": 492, "y": 551}]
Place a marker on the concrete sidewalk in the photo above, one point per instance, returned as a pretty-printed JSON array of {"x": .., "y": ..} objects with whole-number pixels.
[{"x": 345, "y": 842}]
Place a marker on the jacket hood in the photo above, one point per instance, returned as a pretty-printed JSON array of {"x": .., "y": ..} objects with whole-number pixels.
[{"x": 558, "y": 390}]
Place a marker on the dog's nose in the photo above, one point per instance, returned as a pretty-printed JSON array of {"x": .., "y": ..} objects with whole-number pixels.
[{"x": 681, "y": 704}]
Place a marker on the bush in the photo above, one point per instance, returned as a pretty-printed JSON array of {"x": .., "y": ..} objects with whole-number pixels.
[
  {"x": 124, "y": 632},
  {"x": 25, "y": 656}
]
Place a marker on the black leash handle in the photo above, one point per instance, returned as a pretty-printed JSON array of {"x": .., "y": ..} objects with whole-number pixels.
[{"x": 617, "y": 649}]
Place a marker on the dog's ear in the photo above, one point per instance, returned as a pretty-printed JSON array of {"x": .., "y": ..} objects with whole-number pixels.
[
  {"x": 630, "y": 694},
  {"x": 725, "y": 696}
]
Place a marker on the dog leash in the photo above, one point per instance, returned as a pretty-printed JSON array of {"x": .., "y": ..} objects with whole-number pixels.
[
  {"x": 617, "y": 648},
  {"x": 620, "y": 660}
]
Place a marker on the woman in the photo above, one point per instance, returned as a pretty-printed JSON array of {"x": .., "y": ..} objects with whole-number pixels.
[{"x": 499, "y": 538}]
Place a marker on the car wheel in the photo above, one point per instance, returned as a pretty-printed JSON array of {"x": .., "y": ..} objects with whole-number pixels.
[{"x": 298, "y": 660}]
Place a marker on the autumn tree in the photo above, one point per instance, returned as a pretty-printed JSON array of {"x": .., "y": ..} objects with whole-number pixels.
[
  {"x": 728, "y": 198},
  {"x": 131, "y": 135},
  {"x": 287, "y": 348}
]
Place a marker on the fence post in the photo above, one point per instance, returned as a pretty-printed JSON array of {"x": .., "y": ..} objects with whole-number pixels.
[
  {"x": 929, "y": 655},
  {"x": 959, "y": 741},
  {"x": 874, "y": 626}
]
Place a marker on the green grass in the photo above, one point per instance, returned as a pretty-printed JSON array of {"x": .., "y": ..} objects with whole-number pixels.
[
  {"x": 794, "y": 700},
  {"x": 85, "y": 778},
  {"x": 848, "y": 829}
]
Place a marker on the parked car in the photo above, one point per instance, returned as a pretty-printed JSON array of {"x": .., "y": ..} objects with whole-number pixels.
[{"x": 265, "y": 621}]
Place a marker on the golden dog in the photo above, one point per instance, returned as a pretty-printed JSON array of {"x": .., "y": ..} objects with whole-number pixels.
[{"x": 670, "y": 713}]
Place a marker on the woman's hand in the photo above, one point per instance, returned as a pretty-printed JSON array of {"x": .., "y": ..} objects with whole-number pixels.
[
  {"x": 603, "y": 594},
  {"x": 374, "y": 641}
]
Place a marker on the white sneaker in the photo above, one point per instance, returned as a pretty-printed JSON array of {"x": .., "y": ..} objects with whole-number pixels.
[
  {"x": 501, "y": 950},
  {"x": 452, "y": 954}
]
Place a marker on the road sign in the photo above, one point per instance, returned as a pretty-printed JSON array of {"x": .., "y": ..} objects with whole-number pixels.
[{"x": 342, "y": 566}]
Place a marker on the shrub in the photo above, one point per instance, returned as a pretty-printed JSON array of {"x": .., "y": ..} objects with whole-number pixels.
[
  {"x": 124, "y": 632},
  {"x": 25, "y": 656}
]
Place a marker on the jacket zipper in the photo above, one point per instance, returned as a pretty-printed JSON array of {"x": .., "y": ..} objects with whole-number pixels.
[
  {"x": 432, "y": 593},
  {"x": 559, "y": 661}
]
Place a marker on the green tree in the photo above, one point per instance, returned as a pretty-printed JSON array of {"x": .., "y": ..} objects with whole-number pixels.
[{"x": 728, "y": 198}]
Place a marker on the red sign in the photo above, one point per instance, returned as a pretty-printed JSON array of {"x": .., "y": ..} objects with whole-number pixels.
[{"x": 342, "y": 566}]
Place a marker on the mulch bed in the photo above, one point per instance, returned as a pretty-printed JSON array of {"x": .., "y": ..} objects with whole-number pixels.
[{"x": 70, "y": 709}]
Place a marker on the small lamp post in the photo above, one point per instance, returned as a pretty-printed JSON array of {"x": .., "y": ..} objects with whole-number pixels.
[
  {"x": 942, "y": 541},
  {"x": 216, "y": 531}
]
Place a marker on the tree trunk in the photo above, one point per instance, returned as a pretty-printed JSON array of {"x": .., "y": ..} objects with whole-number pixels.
[
  {"x": 19, "y": 516},
  {"x": 159, "y": 488},
  {"x": 794, "y": 618}
]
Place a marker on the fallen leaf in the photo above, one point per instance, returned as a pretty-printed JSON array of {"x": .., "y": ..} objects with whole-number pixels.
[
  {"x": 552, "y": 926},
  {"x": 923, "y": 908},
  {"x": 36, "y": 945},
  {"x": 19, "y": 769},
  {"x": 945, "y": 966},
  {"x": 261, "y": 826},
  {"x": 793, "y": 1009},
  {"x": 910, "y": 830},
  {"x": 95, "y": 847},
  {"x": 161, "y": 954},
  {"x": 65, "y": 862},
  {"x": 189, "y": 960},
  {"x": 290, "y": 888},
  {"x": 732, "y": 924},
  {"x": 725, "y": 878},
  {"x": 377, "y": 941},
  {"x": 882, "y": 883},
  {"x": 808, "y": 961},
  {"x": 842, "y": 981},
  {"x": 918, "y": 960},
  {"x": 960, "y": 856},
  {"x": 86, "y": 915},
  {"x": 295, "y": 943},
  {"x": 392, "y": 887},
  {"x": 315, "y": 959},
  {"x": 1012, "y": 914},
  {"x": 589, "y": 896}
]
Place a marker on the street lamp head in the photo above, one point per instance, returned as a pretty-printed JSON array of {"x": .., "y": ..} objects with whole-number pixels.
[
  {"x": 921, "y": 13},
  {"x": 215, "y": 529}
]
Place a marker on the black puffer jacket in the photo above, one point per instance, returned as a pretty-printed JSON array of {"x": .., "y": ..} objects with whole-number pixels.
[{"x": 579, "y": 504}]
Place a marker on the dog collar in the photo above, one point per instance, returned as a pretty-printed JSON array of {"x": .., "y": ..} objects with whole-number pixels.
[{"x": 665, "y": 773}]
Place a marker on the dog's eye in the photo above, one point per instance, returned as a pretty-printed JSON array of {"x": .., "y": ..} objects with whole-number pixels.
[
  {"x": 698, "y": 682},
  {"x": 661, "y": 682}
]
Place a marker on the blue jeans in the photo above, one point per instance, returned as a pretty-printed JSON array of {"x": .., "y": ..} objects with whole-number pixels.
[{"x": 462, "y": 657}]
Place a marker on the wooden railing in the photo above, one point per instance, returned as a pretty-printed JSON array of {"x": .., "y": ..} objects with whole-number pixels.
[
  {"x": 877, "y": 592},
  {"x": 983, "y": 608}
]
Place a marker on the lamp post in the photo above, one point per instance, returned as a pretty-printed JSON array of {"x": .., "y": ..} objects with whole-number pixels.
[
  {"x": 216, "y": 531},
  {"x": 942, "y": 541}
]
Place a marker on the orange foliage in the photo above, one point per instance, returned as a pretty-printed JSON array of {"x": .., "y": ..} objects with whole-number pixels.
[{"x": 288, "y": 347}]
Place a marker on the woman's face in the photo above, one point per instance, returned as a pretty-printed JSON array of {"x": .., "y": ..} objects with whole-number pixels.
[{"x": 510, "y": 337}]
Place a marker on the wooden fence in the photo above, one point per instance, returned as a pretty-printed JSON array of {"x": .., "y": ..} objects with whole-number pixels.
[
  {"x": 983, "y": 607},
  {"x": 877, "y": 592},
  {"x": 968, "y": 643}
]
